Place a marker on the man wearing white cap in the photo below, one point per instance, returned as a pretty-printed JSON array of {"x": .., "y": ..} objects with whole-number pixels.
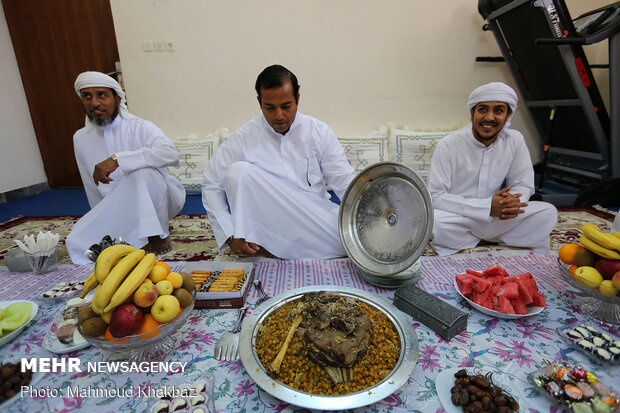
[
  {"x": 122, "y": 161},
  {"x": 468, "y": 170}
]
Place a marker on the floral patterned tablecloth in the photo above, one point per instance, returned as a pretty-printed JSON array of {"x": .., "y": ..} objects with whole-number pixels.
[{"x": 510, "y": 348}]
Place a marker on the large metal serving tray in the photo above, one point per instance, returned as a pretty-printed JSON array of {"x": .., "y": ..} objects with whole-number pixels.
[{"x": 403, "y": 369}]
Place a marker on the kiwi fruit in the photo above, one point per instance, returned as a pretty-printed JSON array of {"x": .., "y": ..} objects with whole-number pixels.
[
  {"x": 94, "y": 327},
  {"x": 188, "y": 282},
  {"x": 85, "y": 313},
  {"x": 184, "y": 297},
  {"x": 584, "y": 257}
]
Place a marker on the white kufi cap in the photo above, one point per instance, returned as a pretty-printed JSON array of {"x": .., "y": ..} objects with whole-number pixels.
[{"x": 495, "y": 92}]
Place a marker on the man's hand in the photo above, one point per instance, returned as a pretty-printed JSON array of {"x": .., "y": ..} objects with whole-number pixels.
[
  {"x": 103, "y": 170},
  {"x": 505, "y": 205},
  {"x": 240, "y": 246}
]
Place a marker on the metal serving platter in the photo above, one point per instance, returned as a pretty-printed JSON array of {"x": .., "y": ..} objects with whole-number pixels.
[
  {"x": 385, "y": 222},
  {"x": 404, "y": 366}
]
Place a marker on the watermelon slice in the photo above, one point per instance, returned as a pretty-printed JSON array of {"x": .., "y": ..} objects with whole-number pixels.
[
  {"x": 481, "y": 298},
  {"x": 510, "y": 290},
  {"x": 518, "y": 305},
  {"x": 505, "y": 306},
  {"x": 526, "y": 293},
  {"x": 472, "y": 272},
  {"x": 495, "y": 270},
  {"x": 465, "y": 283},
  {"x": 539, "y": 300}
]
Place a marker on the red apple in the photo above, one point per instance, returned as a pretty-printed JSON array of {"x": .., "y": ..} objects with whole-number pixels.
[
  {"x": 607, "y": 267},
  {"x": 125, "y": 320},
  {"x": 616, "y": 280},
  {"x": 145, "y": 295}
]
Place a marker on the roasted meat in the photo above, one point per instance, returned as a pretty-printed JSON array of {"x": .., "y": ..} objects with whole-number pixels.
[{"x": 335, "y": 330}]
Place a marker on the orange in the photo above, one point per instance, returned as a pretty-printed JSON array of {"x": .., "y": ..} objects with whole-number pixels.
[
  {"x": 157, "y": 274},
  {"x": 572, "y": 269},
  {"x": 108, "y": 335},
  {"x": 149, "y": 323},
  {"x": 176, "y": 279},
  {"x": 567, "y": 253},
  {"x": 163, "y": 264}
]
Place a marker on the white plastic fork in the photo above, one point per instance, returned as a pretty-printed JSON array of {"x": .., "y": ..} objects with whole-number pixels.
[{"x": 227, "y": 347}]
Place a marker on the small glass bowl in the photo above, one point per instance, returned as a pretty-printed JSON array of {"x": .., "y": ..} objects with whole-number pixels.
[
  {"x": 42, "y": 264},
  {"x": 152, "y": 345},
  {"x": 16, "y": 261}
]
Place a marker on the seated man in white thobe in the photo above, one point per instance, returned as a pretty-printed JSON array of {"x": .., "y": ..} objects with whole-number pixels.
[
  {"x": 122, "y": 161},
  {"x": 468, "y": 170},
  {"x": 264, "y": 188}
]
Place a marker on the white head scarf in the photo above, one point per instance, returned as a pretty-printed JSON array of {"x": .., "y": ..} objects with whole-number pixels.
[
  {"x": 98, "y": 79},
  {"x": 495, "y": 92}
]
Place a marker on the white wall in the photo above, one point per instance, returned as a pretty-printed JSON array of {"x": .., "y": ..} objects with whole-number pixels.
[
  {"x": 360, "y": 63},
  {"x": 20, "y": 159}
]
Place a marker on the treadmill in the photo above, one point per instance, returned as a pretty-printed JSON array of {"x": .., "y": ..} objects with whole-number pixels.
[{"x": 542, "y": 46}]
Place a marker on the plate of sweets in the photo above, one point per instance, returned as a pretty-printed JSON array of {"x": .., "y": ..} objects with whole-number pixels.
[
  {"x": 496, "y": 293},
  {"x": 64, "y": 289},
  {"x": 599, "y": 345},
  {"x": 63, "y": 335},
  {"x": 575, "y": 387}
]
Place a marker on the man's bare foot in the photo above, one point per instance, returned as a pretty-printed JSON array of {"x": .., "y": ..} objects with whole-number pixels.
[
  {"x": 262, "y": 252},
  {"x": 158, "y": 245}
]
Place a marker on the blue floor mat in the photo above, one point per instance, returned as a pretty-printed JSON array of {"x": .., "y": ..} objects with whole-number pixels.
[{"x": 70, "y": 201}]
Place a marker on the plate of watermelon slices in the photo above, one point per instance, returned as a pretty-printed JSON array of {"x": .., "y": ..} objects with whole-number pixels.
[{"x": 496, "y": 293}]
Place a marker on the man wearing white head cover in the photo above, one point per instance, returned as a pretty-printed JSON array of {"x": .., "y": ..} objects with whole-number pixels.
[
  {"x": 468, "y": 170},
  {"x": 128, "y": 156}
]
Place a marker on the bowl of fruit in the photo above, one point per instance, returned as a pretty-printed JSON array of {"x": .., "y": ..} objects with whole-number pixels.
[
  {"x": 137, "y": 305},
  {"x": 593, "y": 267}
]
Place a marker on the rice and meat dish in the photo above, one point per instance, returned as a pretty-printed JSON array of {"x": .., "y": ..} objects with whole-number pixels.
[{"x": 335, "y": 334}]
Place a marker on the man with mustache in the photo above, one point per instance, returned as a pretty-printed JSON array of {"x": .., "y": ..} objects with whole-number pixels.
[
  {"x": 122, "y": 161},
  {"x": 468, "y": 172},
  {"x": 264, "y": 188}
]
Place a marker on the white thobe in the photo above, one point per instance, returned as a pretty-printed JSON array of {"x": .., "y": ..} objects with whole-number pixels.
[
  {"x": 275, "y": 187},
  {"x": 142, "y": 197},
  {"x": 465, "y": 174}
]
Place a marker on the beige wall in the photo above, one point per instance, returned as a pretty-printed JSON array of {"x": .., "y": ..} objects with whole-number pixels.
[
  {"x": 360, "y": 63},
  {"x": 20, "y": 159}
]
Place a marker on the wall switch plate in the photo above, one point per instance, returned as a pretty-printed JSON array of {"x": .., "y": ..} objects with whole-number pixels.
[{"x": 147, "y": 46}]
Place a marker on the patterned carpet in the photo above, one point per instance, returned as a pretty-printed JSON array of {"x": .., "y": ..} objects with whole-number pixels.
[{"x": 192, "y": 238}]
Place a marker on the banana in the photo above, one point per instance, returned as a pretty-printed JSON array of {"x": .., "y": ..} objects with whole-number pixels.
[
  {"x": 90, "y": 283},
  {"x": 106, "y": 290},
  {"x": 108, "y": 258},
  {"x": 616, "y": 234},
  {"x": 131, "y": 283},
  {"x": 96, "y": 309},
  {"x": 596, "y": 248},
  {"x": 604, "y": 239}
]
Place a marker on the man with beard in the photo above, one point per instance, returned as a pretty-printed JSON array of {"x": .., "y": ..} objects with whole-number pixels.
[
  {"x": 122, "y": 161},
  {"x": 264, "y": 188},
  {"x": 468, "y": 172}
]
